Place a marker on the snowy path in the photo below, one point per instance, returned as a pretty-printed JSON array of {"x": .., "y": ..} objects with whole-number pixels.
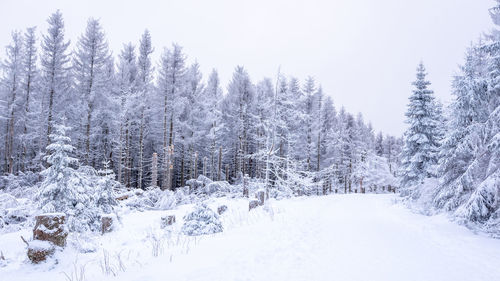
[
  {"x": 353, "y": 237},
  {"x": 337, "y": 237}
]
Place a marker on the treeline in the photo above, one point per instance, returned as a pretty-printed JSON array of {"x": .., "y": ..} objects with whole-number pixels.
[
  {"x": 460, "y": 147},
  {"x": 160, "y": 123}
]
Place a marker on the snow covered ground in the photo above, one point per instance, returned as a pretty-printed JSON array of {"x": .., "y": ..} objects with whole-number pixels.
[{"x": 336, "y": 237}]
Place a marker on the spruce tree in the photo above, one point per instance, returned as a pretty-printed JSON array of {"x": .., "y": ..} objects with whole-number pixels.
[
  {"x": 421, "y": 139},
  {"x": 64, "y": 189},
  {"x": 54, "y": 66}
]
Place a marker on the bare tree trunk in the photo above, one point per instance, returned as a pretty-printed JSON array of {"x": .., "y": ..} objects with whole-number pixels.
[
  {"x": 195, "y": 166},
  {"x": 6, "y": 156},
  {"x": 170, "y": 155},
  {"x": 127, "y": 155},
  {"x": 170, "y": 167},
  {"x": 141, "y": 150},
  {"x": 219, "y": 172},
  {"x": 49, "y": 117},
  {"x": 182, "y": 163},
  {"x": 205, "y": 166},
  {"x": 165, "y": 146},
  {"x": 319, "y": 151},
  {"x": 87, "y": 137},
  {"x": 9, "y": 148},
  {"x": 154, "y": 170},
  {"x": 120, "y": 154}
]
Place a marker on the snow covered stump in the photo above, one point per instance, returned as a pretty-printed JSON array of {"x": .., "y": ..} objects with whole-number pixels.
[
  {"x": 221, "y": 209},
  {"x": 260, "y": 195},
  {"x": 167, "y": 221},
  {"x": 50, "y": 227},
  {"x": 49, "y": 231},
  {"x": 38, "y": 250},
  {"x": 107, "y": 222},
  {"x": 253, "y": 204}
]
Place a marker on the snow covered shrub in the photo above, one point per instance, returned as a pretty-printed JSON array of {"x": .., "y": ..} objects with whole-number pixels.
[
  {"x": 104, "y": 192},
  {"x": 167, "y": 201},
  {"x": 182, "y": 196},
  {"x": 7, "y": 201},
  {"x": 218, "y": 188},
  {"x": 281, "y": 192},
  {"x": 152, "y": 198},
  {"x": 197, "y": 185},
  {"x": 15, "y": 213},
  {"x": 201, "y": 221},
  {"x": 154, "y": 194},
  {"x": 138, "y": 199},
  {"x": 21, "y": 185}
]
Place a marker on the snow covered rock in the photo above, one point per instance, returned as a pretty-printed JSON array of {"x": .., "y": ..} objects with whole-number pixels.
[
  {"x": 50, "y": 227},
  {"x": 201, "y": 221},
  {"x": 38, "y": 250}
]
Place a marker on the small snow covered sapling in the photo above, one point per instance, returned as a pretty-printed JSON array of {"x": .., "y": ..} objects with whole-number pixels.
[
  {"x": 64, "y": 189},
  {"x": 201, "y": 221},
  {"x": 104, "y": 194}
]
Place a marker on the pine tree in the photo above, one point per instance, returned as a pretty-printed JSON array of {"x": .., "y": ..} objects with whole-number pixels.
[
  {"x": 171, "y": 81},
  {"x": 90, "y": 67},
  {"x": 126, "y": 84},
  {"x": 420, "y": 152},
  {"x": 379, "y": 146},
  {"x": 54, "y": 66},
  {"x": 212, "y": 97},
  {"x": 12, "y": 68},
  {"x": 32, "y": 101},
  {"x": 64, "y": 189},
  {"x": 238, "y": 119},
  {"x": 309, "y": 90},
  {"x": 145, "y": 75}
]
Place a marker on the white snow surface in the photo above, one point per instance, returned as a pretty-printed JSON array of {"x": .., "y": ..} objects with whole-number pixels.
[{"x": 335, "y": 237}]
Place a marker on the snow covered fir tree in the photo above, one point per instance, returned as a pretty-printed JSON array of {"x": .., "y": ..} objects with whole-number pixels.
[
  {"x": 419, "y": 156},
  {"x": 136, "y": 162}
]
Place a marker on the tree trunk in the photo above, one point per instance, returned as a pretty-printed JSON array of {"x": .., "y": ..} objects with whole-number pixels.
[
  {"x": 141, "y": 150},
  {"x": 219, "y": 172},
  {"x": 154, "y": 170}
]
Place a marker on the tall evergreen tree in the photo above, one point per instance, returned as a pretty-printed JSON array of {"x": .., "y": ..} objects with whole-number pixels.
[
  {"x": 11, "y": 80},
  {"x": 54, "y": 67},
  {"x": 92, "y": 58},
  {"x": 31, "y": 102},
  {"x": 144, "y": 78},
  {"x": 420, "y": 152}
]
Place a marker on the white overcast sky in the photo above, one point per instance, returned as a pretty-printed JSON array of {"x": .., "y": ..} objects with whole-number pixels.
[{"x": 363, "y": 52}]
